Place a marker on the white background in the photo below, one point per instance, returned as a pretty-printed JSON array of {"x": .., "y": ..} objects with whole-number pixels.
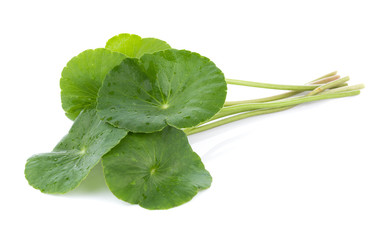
[{"x": 312, "y": 172}]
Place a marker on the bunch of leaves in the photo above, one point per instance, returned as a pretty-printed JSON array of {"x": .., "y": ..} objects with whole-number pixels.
[{"x": 133, "y": 104}]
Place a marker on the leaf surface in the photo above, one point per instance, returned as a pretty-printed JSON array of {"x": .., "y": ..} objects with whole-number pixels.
[
  {"x": 172, "y": 87},
  {"x": 82, "y": 77},
  {"x": 74, "y": 156},
  {"x": 134, "y": 46},
  {"x": 155, "y": 170}
]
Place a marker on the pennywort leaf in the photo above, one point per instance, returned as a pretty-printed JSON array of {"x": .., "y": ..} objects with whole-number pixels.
[
  {"x": 82, "y": 77},
  {"x": 75, "y": 155},
  {"x": 172, "y": 87},
  {"x": 155, "y": 170},
  {"x": 134, "y": 46}
]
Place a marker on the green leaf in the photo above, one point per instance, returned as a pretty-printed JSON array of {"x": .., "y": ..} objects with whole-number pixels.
[
  {"x": 134, "y": 46},
  {"x": 82, "y": 77},
  {"x": 173, "y": 87},
  {"x": 155, "y": 170},
  {"x": 72, "y": 159}
]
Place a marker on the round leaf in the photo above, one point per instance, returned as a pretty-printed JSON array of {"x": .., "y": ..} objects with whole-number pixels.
[
  {"x": 173, "y": 87},
  {"x": 82, "y": 77},
  {"x": 155, "y": 170},
  {"x": 73, "y": 158},
  {"x": 134, "y": 46}
]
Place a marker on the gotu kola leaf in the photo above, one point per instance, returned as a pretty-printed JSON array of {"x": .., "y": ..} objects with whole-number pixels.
[
  {"x": 172, "y": 87},
  {"x": 155, "y": 170},
  {"x": 74, "y": 156},
  {"x": 82, "y": 77},
  {"x": 134, "y": 46}
]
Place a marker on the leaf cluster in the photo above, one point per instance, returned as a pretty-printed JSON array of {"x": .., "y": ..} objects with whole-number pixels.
[{"x": 129, "y": 102}]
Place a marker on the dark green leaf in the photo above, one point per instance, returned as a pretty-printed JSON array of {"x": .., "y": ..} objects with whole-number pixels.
[
  {"x": 155, "y": 170},
  {"x": 72, "y": 159},
  {"x": 173, "y": 87}
]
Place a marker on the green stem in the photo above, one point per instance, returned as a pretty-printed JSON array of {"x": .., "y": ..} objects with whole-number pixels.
[
  {"x": 266, "y": 99},
  {"x": 330, "y": 77},
  {"x": 346, "y": 88},
  {"x": 350, "y": 90},
  {"x": 272, "y": 86},
  {"x": 325, "y": 76},
  {"x": 337, "y": 88},
  {"x": 331, "y": 82},
  {"x": 190, "y": 131},
  {"x": 276, "y": 97},
  {"x": 323, "y": 79},
  {"x": 283, "y": 103},
  {"x": 328, "y": 85}
]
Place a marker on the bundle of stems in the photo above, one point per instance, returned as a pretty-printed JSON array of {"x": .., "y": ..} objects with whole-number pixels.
[{"x": 324, "y": 87}]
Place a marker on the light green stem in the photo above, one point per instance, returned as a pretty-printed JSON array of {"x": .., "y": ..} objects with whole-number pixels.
[
  {"x": 338, "y": 85},
  {"x": 343, "y": 89},
  {"x": 337, "y": 89},
  {"x": 272, "y": 86},
  {"x": 266, "y": 99},
  {"x": 275, "y": 97},
  {"x": 190, "y": 131},
  {"x": 325, "y": 76},
  {"x": 283, "y": 103},
  {"x": 324, "y": 79},
  {"x": 328, "y": 85},
  {"x": 210, "y": 124},
  {"x": 282, "y": 86}
]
